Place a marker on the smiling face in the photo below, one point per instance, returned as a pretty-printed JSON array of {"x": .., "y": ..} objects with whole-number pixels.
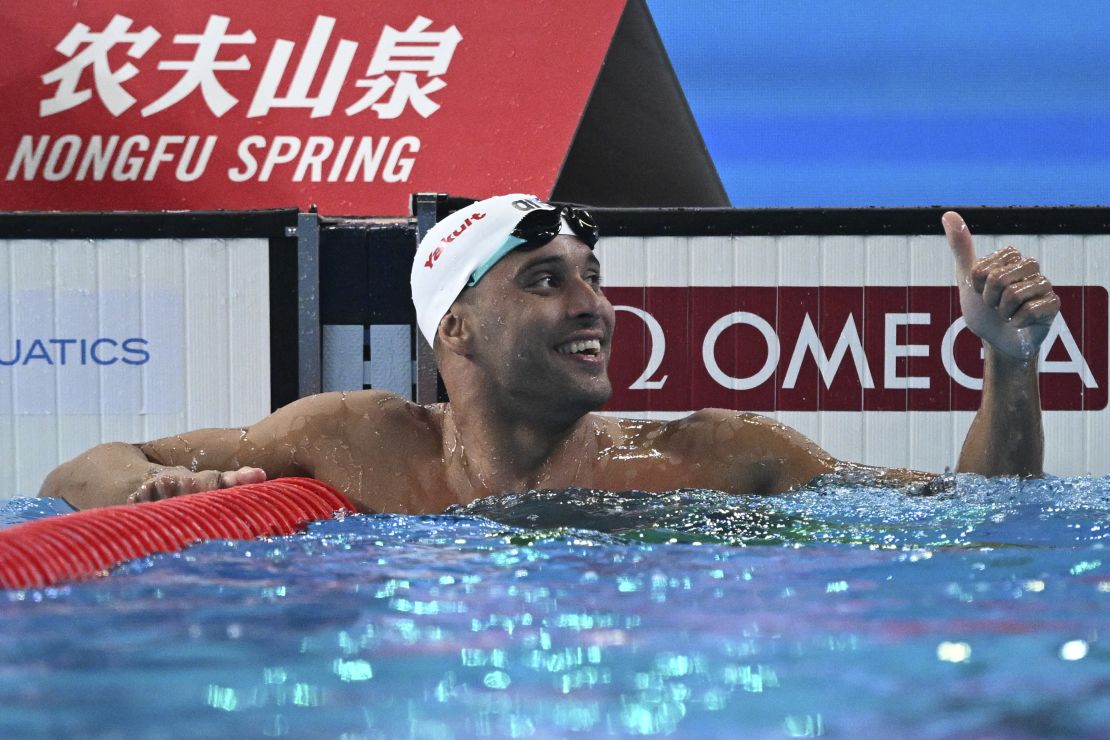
[{"x": 542, "y": 328}]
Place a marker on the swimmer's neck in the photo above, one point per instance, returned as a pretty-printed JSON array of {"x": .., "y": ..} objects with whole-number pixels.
[{"x": 489, "y": 453}]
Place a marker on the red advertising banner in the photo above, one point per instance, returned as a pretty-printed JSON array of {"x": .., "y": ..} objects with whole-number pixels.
[
  {"x": 154, "y": 105},
  {"x": 833, "y": 348}
]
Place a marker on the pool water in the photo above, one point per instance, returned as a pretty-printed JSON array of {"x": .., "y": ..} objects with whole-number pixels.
[{"x": 981, "y": 611}]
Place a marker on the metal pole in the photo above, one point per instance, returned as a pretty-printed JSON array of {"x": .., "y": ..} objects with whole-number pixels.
[
  {"x": 426, "y": 374},
  {"x": 308, "y": 304}
]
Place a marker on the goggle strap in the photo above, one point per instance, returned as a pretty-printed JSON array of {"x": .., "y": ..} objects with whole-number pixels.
[{"x": 510, "y": 243}]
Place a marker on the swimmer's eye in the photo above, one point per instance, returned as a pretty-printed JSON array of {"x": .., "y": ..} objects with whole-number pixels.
[
  {"x": 545, "y": 281},
  {"x": 548, "y": 281}
]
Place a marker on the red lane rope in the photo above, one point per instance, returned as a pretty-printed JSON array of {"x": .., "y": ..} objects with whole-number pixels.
[{"x": 85, "y": 543}]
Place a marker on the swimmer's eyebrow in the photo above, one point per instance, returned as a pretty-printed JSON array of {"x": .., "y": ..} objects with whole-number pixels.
[
  {"x": 554, "y": 261},
  {"x": 532, "y": 264}
]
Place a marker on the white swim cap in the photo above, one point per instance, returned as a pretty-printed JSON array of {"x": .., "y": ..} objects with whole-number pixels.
[{"x": 461, "y": 248}]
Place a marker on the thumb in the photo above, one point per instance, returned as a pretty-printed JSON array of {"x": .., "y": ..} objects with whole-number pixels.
[{"x": 959, "y": 239}]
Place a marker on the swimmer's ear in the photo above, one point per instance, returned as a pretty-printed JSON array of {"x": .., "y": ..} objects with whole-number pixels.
[{"x": 454, "y": 331}]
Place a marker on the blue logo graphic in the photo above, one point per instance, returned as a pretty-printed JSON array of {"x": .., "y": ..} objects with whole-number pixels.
[{"x": 75, "y": 351}]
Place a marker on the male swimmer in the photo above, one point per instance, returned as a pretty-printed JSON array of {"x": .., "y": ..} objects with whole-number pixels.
[{"x": 508, "y": 292}]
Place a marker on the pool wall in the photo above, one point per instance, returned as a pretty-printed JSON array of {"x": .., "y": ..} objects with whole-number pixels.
[
  {"x": 843, "y": 323},
  {"x": 127, "y": 328}
]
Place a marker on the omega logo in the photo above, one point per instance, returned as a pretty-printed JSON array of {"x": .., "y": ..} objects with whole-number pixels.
[
  {"x": 848, "y": 343},
  {"x": 782, "y": 348}
]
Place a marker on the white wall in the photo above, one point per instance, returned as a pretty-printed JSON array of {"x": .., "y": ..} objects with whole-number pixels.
[{"x": 185, "y": 336}]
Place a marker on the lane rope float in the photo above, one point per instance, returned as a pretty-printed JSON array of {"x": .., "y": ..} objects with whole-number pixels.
[{"x": 86, "y": 543}]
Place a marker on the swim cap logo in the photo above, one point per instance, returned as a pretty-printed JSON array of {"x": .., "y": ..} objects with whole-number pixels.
[
  {"x": 435, "y": 255},
  {"x": 527, "y": 204}
]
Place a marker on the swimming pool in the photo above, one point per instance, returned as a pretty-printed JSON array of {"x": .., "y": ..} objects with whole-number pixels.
[{"x": 838, "y": 611}]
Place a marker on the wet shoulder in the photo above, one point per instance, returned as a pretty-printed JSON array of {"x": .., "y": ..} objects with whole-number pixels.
[
  {"x": 728, "y": 428},
  {"x": 714, "y": 429},
  {"x": 748, "y": 452},
  {"x": 349, "y": 414}
]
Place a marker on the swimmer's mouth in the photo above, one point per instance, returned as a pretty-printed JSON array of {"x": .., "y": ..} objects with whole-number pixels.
[{"x": 580, "y": 346}]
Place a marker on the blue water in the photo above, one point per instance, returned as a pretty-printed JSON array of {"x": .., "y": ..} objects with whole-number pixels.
[{"x": 981, "y": 611}]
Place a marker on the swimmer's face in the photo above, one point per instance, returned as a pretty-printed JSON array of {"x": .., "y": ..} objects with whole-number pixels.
[{"x": 544, "y": 325}]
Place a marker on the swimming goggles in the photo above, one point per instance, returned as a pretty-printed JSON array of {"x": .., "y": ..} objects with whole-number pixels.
[
  {"x": 538, "y": 228},
  {"x": 541, "y": 226}
]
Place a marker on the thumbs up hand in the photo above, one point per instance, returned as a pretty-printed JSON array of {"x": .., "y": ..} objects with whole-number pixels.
[{"x": 1004, "y": 298}]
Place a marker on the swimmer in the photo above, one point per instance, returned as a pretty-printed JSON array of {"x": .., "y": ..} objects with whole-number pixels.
[{"x": 508, "y": 292}]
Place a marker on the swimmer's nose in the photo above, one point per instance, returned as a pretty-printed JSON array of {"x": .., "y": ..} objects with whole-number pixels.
[{"x": 584, "y": 300}]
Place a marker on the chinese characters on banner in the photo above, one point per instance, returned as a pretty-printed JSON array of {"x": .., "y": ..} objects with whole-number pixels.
[
  {"x": 405, "y": 53},
  {"x": 122, "y": 107}
]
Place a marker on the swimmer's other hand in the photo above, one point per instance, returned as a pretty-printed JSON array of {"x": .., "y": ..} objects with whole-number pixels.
[
  {"x": 167, "y": 482},
  {"x": 1004, "y": 297}
]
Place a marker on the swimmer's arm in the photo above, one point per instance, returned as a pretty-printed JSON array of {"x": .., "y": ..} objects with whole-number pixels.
[
  {"x": 293, "y": 441},
  {"x": 1010, "y": 304},
  {"x": 118, "y": 473},
  {"x": 762, "y": 456},
  {"x": 1006, "y": 437},
  {"x": 912, "y": 482},
  {"x": 105, "y": 475}
]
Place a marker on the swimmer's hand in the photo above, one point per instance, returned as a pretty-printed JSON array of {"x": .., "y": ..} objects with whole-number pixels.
[
  {"x": 1005, "y": 299},
  {"x": 167, "y": 482}
]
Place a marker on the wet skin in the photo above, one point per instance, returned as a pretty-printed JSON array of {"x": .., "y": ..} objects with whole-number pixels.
[
  {"x": 389, "y": 455},
  {"x": 524, "y": 356}
]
